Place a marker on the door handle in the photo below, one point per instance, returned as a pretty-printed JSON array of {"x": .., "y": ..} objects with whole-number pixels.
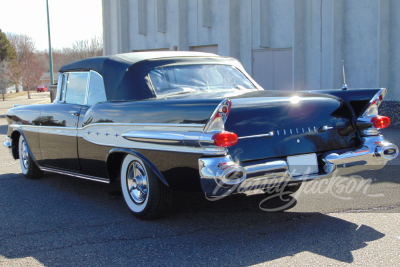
[{"x": 74, "y": 113}]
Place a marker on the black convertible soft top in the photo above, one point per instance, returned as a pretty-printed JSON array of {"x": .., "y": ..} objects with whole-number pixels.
[{"x": 126, "y": 75}]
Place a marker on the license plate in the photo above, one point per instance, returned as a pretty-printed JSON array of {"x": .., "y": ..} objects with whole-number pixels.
[{"x": 303, "y": 164}]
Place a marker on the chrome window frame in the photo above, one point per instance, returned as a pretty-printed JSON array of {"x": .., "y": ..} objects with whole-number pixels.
[
  {"x": 88, "y": 86},
  {"x": 61, "y": 82},
  {"x": 59, "y": 85}
]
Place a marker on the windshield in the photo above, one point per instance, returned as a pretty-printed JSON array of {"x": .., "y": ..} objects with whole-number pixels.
[{"x": 191, "y": 78}]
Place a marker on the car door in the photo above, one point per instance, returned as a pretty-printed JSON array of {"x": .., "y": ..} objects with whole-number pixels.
[
  {"x": 58, "y": 121},
  {"x": 92, "y": 156}
]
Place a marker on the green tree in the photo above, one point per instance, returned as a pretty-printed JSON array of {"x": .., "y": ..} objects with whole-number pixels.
[{"x": 7, "y": 51}]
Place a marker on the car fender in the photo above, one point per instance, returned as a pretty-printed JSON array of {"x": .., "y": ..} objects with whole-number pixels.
[
  {"x": 15, "y": 153},
  {"x": 139, "y": 155}
]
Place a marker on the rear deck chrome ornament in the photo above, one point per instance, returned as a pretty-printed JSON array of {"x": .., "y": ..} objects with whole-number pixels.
[
  {"x": 308, "y": 129},
  {"x": 298, "y": 141}
]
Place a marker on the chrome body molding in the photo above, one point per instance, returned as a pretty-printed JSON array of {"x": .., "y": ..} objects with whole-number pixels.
[
  {"x": 187, "y": 138},
  {"x": 373, "y": 154},
  {"x": 324, "y": 128},
  {"x": 190, "y": 139},
  {"x": 267, "y": 135},
  {"x": 78, "y": 175},
  {"x": 199, "y": 127}
]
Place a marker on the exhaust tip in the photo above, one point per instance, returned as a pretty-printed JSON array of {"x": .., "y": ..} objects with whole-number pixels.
[{"x": 389, "y": 152}]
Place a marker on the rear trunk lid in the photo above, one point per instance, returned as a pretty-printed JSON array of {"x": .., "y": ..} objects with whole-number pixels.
[{"x": 296, "y": 121}]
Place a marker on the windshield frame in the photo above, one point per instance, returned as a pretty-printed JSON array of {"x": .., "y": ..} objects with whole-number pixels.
[{"x": 247, "y": 77}]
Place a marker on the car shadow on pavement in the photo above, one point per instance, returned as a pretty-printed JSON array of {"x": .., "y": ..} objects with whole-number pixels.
[{"x": 61, "y": 220}]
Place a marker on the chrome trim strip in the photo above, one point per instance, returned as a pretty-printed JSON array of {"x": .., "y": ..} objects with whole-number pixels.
[
  {"x": 87, "y": 87},
  {"x": 166, "y": 138},
  {"x": 82, "y": 176},
  {"x": 217, "y": 151},
  {"x": 145, "y": 124},
  {"x": 191, "y": 142},
  {"x": 325, "y": 128},
  {"x": 118, "y": 124},
  {"x": 270, "y": 134},
  {"x": 188, "y": 139}
]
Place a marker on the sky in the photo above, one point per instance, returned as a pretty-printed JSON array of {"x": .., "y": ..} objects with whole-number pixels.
[{"x": 70, "y": 20}]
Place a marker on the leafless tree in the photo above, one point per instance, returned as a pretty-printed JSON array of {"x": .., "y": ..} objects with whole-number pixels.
[
  {"x": 26, "y": 69},
  {"x": 85, "y": 48},
  {"x": 79, "y": 50}
]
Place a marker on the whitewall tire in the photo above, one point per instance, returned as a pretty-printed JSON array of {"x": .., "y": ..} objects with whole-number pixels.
[
  {"x": 28, "y": 166},
  {"x": 146, "y": 196}
]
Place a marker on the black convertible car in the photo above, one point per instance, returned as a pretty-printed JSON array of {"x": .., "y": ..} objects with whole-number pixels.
[{"x": 161, "y": 121}]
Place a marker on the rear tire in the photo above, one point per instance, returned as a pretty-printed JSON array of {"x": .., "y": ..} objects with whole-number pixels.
[
  {"x": 28, "y": 166},
  {"x": 146, "y": 196}
]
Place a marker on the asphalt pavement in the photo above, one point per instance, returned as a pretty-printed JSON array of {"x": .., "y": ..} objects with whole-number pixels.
[{"x": 65, "y": 221}]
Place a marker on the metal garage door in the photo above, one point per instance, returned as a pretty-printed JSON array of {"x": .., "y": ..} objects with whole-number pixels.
[
  {"x": 272, "y": 68},
  {"x": 205, "y": 48}
]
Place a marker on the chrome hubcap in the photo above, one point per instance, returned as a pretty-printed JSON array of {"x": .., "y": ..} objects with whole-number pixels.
[
  {"x": 24, "y": 154},
  {"x": 136, "y": 178}
]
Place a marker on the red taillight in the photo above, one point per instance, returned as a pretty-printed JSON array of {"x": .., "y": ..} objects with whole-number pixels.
[
  {"x": 225, "y": 139},
  {"x": 380, "y": 122}
]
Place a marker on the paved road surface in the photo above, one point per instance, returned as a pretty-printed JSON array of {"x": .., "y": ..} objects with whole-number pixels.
[{"x": 64, "y": 221}]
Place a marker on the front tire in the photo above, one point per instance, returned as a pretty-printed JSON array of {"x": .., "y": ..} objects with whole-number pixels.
[
  {"x": 146, "y": 196},
  {"x": 28, "y": 166}
]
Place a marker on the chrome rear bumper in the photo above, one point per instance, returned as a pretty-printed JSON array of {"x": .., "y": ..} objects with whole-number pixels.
[{"x": 221, "y": 175}]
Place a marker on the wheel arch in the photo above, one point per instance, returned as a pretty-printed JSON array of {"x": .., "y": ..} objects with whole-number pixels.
[
  {"x": 15, "y": 143},
  {"x": 115, "y": 158}
]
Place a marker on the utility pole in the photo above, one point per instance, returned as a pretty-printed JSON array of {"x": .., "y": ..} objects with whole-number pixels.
[{"x": 50, "y": 54}]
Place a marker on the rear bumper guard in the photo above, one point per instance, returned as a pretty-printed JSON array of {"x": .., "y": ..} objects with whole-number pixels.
[{"x": 221, "y": 175}]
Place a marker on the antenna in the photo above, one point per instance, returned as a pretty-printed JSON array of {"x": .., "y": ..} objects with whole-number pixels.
[{"x": 344, "y": 87}]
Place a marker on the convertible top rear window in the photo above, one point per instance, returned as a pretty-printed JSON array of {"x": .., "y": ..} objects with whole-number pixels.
[{"x": 191, "y": 78}]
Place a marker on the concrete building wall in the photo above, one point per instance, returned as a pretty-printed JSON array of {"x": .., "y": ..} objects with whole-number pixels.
[{"x": 319, "y": 34}]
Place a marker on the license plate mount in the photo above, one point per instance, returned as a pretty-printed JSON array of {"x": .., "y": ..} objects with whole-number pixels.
[{"x": 303, "y": 164}]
